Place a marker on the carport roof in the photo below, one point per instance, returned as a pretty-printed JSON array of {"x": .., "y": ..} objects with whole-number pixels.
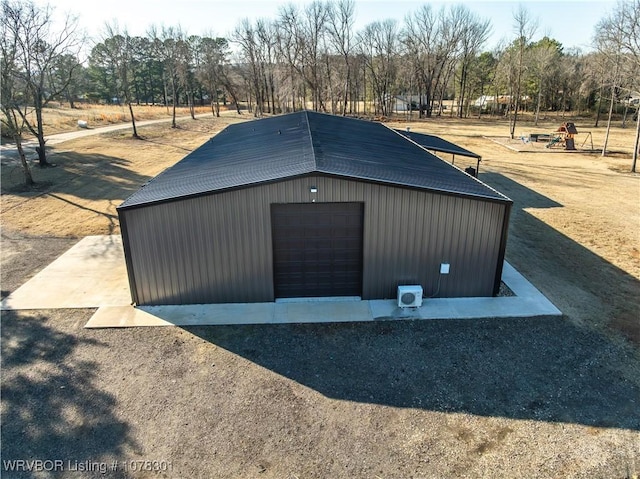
[
  {"x": 435, "y": 143},
  {"x": 301, "y": 143}
]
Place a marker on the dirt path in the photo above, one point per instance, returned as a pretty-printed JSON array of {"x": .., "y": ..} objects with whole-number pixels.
[{"x": 8, "y": 151}]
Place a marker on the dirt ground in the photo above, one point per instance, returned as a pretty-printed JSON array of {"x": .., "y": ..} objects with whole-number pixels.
[{"x": 537, "y": 398}]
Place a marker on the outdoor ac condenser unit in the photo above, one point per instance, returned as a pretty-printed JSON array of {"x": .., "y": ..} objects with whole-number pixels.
[{"x": 410, "y": 296}]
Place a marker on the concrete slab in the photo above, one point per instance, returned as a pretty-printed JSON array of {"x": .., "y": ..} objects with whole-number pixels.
[
  {"x": 225, "y": 314},
  {"x": 183, "y": 315},
  {"x": 92, "y": 274},
  {"x": 529, "y": 302},
  {"x": 322, "y": 312}
]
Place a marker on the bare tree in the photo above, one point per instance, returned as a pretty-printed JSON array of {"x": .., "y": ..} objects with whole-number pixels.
[
  {"x": 618, "y": 38},
  {"x": 473, "y": 35},
  {"x": 13, "y": 122},
  {"x": 301, "y": 45},
  {"x": 431, "y": 42},
  {"x": 453, "y": 23},
  {"x": 210, "y": 70},
  {"x": 545, "y": 56},
  {"x": 188, "y": 48},
  {"x": 266, "y": 34},
  {"x": 246, "y": 37},
  {"x": 570, "y": 76},
  {"x": 340, "y": 27},
  {"x": 613, "y": 62},
  {"x": 525, "y": 28},
  {"x": 313, "y": 27},
  {"x": 379, "y": 46},
  {"x": 231, "y": 80},
  {"x": 116, "y": 51},
  {"x": 37, "y": 48},
  {"x": 595, "y": 81},
  {"x": 289, "y": 44},
  {"x": 168, "y": 49}
]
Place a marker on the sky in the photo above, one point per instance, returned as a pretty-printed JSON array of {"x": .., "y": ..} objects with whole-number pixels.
[{"x": 570, "y": 22}]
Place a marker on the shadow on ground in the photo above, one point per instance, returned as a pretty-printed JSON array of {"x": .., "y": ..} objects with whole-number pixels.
[
  {"x": 522, "y": 196},
  {"x": 543, "y": 369},
  {"x": 51, "y": 406},
  {"x": 78, "y": 180},
  {"x": 110, "y": 177},
  {"x": 583, "y": 285}
]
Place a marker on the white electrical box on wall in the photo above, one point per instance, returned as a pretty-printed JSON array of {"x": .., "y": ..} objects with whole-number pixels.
[{"x": 444, "y": 268}]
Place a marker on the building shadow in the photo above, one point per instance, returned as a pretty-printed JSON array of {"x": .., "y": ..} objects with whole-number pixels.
[
  {"x": 52, "y": 408},
  {"x": 522, "y": 196},
  {"x": 584, "y": 286},
  {"x": 552, "y": 369},
  {"x": 544, "y": 369}
]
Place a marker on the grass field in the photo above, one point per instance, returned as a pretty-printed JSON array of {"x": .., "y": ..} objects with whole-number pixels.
[
  {"x": 538, "y": 398},
  {"x": 59, "y": 118}
]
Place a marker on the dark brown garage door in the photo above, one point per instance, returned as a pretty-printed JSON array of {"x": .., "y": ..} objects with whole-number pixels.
[{"x": 317, "y": 249}]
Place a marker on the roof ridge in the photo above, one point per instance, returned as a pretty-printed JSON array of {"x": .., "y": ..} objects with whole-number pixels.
[{"x": 313, "y": 150}]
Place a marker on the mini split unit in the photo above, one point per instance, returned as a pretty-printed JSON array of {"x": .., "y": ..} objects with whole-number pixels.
[{"x": 409, "y": 296}]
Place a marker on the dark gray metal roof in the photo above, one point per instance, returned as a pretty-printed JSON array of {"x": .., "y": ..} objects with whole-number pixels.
[
  {"x": 305, "y": 142},
  {"x": 435, "y": 143}
]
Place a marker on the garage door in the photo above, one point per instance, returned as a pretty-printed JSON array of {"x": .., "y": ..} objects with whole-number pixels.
[{"x": 317, "y": 249}]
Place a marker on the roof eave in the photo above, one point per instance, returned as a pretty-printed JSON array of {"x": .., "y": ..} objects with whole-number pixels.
[{"x": 331, "y": 174}]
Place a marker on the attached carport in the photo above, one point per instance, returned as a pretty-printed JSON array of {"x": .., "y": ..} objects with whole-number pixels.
[{"x": 440, "y": 145}]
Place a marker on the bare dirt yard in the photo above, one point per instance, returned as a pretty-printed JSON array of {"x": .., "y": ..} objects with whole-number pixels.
[{"x": 538, "y": 398}]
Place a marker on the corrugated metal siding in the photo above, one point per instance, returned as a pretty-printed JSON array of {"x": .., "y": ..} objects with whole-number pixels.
[{"x": 218, "y": 248}]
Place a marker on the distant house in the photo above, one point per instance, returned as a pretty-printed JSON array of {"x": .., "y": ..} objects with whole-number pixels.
[
  {"x": 312, "y": 205},
  {"x": 484, "y": 102},
  {"x": 499, "y": 103},
  {"x": 633, "y": 99},
  {"x": 402, "y": 104},
  {"x": 411, "y": 103}
]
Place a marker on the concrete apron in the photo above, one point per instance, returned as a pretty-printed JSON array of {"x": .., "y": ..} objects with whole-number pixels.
[{"x": 92, "y": 274}]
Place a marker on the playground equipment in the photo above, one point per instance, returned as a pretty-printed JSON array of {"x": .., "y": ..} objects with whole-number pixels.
[
  {"x": 589, "y": 137},
  {"x": 564, "y": 136}
]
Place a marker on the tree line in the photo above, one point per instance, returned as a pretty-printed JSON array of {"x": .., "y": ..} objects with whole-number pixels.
[{"x": 313, "y": 57}]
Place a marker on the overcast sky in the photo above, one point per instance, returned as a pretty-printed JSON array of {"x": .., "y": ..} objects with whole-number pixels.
[{"x": 570, "y": 22}]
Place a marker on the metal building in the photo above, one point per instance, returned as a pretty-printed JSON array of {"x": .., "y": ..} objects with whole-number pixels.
[{"x": 309, "y": 204}]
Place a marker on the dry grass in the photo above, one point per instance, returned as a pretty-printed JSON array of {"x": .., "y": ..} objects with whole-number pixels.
[
  {"x": 95, "y": 174},
  {"x": 59, "y": 118}
]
